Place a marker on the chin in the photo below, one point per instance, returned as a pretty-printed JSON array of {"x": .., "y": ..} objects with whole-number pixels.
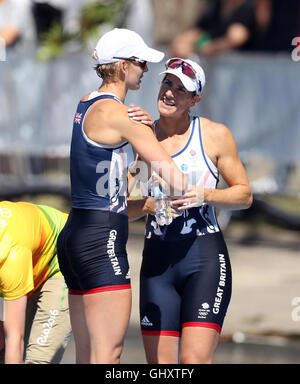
[
  {"x": 135, "y": 87},
  {"x": 165, "y": 111}
]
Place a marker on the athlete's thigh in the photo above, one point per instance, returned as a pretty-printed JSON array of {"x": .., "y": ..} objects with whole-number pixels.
[
  {"x": 50, "y": 327},
  {"x": 160, "y": 304},
  {"x": 110, "y": 312},
  {"x": 107, "y": 318},
  {"x": 99, "y": 322},
  {"x": 207, "y": 291},
  {"x": 160, "y": 320},
  {"x": 159, "y": 299},
  {"x": 79, "y": 329}
]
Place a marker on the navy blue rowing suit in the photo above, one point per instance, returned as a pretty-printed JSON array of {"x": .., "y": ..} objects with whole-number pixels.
[
  {"x": 92, "y": 245},
  {"x": 185, "y": 277}
]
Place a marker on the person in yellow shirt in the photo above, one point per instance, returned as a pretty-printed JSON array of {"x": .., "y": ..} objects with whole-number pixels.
[{"x": 35, "y": 323}]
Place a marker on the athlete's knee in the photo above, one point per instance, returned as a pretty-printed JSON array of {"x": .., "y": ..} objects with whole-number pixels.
[
  {"x": 196, "y": 357},
  {"x": 106, "y": 355},
  {"x": 115, "y": 355}
]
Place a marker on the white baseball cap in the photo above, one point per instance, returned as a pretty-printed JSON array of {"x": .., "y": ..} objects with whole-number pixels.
[
  {"x": 181, "y": 68},
  {"x": 124, "y": 43}
]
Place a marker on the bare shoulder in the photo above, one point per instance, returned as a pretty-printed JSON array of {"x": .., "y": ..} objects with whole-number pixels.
[
  {"x": 217, "y": 134},
  {"x": 214, "y": 130},
  {"x": 112, "y": 118},
  {"x": 217, "y": 139},
  {"x": 105, "y": 120},
  {"x": 108, "y": 112}
]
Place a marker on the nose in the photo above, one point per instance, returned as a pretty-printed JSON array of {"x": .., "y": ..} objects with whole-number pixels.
[{"x": 169, "y": 92}]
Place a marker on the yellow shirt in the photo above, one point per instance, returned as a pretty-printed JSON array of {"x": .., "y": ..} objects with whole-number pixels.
[{"x": 28, "y": 235}]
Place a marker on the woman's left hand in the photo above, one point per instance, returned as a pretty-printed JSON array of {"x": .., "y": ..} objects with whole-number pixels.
[
  {"x": 193, "y": 197},
  {"x": 140, "y": 115}
]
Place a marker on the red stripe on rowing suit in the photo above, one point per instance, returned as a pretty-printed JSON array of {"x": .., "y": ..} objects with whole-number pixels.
[
  {"x": 99, "y": 289},
  {"x": 161, "y": 333},
  {"x": 205, "y": 325}
]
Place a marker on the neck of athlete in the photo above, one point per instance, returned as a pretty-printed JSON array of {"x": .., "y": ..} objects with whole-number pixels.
[
  {"x": 117, "y": 88},
  {"x": 168, "y": 127}
]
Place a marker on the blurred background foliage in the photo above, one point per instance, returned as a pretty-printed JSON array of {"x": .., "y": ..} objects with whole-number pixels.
[{"x": 94, "y": 15}]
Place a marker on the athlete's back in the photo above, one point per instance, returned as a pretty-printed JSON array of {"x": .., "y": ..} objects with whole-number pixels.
[{"x": 28, "y": 235}]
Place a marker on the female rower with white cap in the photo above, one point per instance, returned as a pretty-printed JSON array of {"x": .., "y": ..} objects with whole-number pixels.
[
  {"x": 92, "y": 245},
  {"x": 185, "y": 278}
]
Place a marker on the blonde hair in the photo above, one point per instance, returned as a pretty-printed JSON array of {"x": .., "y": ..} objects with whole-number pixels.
[{"x": 107, "y": 72}]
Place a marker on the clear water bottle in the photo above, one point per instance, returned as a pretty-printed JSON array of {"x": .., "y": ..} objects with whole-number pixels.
[{"x": 163, "y": 212}]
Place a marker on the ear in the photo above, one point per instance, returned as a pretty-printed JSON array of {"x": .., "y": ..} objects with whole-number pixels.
[
  {"x": 123, "y": 65},
  {"x": 195, "y": 100}
]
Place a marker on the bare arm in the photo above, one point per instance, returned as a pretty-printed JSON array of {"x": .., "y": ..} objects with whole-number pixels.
[
  {"x": 183, "y": 44},
  {"x": 138, "y": 205},
  {"x": 145, "y": 143},
  {"x": 117, "y": 127},
  {"x": 236, "y": 35},
  {"x": 139, "y": 208},
  {"x": 14, "y": 325},
  {"x": 238, "y": 194}
]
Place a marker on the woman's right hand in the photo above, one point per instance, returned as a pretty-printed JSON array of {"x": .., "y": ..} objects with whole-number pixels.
[{"x": 140, "y": 115}]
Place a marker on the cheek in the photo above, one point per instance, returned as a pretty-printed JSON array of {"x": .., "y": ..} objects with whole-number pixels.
[
  {"x": 133, "y": 78},
  {"x": 182, "y": 104},
  {"x": 186, "y": 102},
  {"x": 160, "y": 94},
  {"x": 160, "y": 105}
]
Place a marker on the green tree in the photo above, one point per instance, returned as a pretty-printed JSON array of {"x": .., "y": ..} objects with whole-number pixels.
[{"x": 93, "y": 15}]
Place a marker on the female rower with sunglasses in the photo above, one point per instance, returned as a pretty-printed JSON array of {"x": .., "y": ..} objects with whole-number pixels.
[
  {"x": 185, "y": 278},
  {"x": 92, "y": 245}
]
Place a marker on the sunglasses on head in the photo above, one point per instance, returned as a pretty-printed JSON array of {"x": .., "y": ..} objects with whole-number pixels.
[
  {"x": 142, "y": 63},
  {"x": 185, "y": 67}
]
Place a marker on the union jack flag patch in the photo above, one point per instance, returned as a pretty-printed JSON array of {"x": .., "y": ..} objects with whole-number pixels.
[{"x": 77, "y": 119}]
